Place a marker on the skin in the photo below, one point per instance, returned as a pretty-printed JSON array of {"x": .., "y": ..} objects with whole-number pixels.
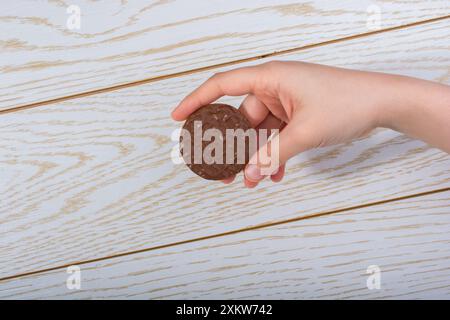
[{"x": 316, "y": 105}]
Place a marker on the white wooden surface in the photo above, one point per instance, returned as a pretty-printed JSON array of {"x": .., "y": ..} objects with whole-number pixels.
[
  {"x": 325, "y": 257},
  {"x": 92, "y": 177},
  {"x": 125, "y": 41}
]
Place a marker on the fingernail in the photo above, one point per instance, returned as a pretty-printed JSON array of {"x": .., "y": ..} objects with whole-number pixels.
[{"x": 253, "y": 173}]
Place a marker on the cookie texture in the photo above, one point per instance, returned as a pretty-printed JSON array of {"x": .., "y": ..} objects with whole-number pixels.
[{"x": 220, "y": 117}]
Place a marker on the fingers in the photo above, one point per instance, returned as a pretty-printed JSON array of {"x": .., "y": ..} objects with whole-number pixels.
[
  {"x": 254, "y": 110},
  {"x": 278, "y": 176},
  {"x": 270, "y": 122},
  {"x": 250, "y": 184},
  {"x": 228, "y": 180},
  {"x": 275, "y": 153},
  {"x": 236, "y": 82}
]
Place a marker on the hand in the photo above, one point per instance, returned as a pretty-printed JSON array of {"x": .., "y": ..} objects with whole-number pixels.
[{"x": 317, "y": 105}]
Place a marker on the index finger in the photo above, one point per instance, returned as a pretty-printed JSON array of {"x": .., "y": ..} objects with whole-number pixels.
[{"x": 236, "y": 82}]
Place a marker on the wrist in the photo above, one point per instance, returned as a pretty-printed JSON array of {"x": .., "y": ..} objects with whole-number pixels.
[
  {"x": 417, "y": 108},
  {"x": 401, "y": 101}
]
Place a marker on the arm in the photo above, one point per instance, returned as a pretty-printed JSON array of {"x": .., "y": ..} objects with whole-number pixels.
[
  {"x": 418, "y": 108},
  {"x": 319, "y": 105}
]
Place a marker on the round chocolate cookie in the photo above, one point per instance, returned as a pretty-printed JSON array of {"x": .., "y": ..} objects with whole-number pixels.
[{"x": 205, "y": 157}]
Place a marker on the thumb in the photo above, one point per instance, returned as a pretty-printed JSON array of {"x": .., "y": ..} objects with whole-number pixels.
[{"x": 275, "y": 153}]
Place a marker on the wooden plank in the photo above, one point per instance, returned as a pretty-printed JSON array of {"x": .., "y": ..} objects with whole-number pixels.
[
  {"x": 93, "y": 177},
  {"x": 319, "y": 258},
  {"x": 123, "y": 41}
]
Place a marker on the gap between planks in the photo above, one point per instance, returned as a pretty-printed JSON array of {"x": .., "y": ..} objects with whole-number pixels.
[
  {"x": 216, "y": 66},
  {"x": 236, "y": 231}
]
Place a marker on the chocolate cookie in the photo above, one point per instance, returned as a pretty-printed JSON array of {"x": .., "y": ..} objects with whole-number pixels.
[{"x": 205, "y": 151}]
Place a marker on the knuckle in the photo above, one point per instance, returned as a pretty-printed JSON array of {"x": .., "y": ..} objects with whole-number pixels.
[
  {"x": 216, "y": 76},
  {"x": 269, "y": 74},
  {"x": 272, "y": 65},
  {"x": 215, "y": 81}
]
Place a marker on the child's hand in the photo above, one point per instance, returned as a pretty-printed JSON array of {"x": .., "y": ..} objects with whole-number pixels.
[{"x": 317, "y": 105}]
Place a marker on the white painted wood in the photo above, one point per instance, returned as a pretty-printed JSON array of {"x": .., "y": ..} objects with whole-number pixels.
[
  {"x": 123, "y": 41},
  {"x": 92, "y": 177},
  {"x": 320, "y": 258}
]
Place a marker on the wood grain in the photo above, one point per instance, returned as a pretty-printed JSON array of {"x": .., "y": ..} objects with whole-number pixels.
[
  {"x": 92, "y": 177},
  {"x": 320, "y": 258},
  {"x": 123, "y": 41}
]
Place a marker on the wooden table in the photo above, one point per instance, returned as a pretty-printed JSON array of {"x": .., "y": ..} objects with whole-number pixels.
[{"x": 86, "y": 177}]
